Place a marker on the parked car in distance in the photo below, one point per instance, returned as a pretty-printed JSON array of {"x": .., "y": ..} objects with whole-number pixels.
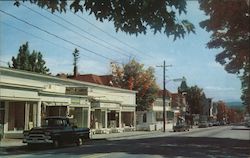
[
  {"x": 56, "y": 131},
  {"x": 210, "y": 124},
  {"x": 181, "y": 127},
  {"x": 247, "y": 124},
  {"x": 203, "y": 124},
  {"x": 216, "y": 123}
]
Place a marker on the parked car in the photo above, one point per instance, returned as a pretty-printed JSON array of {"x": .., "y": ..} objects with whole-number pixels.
[
  {"x": 247, "y": 124},
  {"x": 203, "y": 124},
  {"x": 210, "y": 124},
  {"x": 56, "y": 131},
  {"x": 181, "y": 127},
  {"x": 216, "y": 123}
]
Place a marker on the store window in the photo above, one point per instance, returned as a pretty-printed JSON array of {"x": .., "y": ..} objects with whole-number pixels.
[
  {"x": 113, "y": 119},
  {"x": 127, "y": 119},
  {"x": 16, "y": 117},
  {"x": 79, "y": 116}
]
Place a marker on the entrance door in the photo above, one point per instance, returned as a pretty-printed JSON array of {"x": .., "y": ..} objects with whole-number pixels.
[{"x": 2, "y": 108}]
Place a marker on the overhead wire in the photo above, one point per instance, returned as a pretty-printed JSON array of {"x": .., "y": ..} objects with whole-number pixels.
[
  {"x": 67, "y": 28},
  {"x": 50, "y": 42},
  {"x": 54, "y": 35},
  {"x": 110, "y": 35}
]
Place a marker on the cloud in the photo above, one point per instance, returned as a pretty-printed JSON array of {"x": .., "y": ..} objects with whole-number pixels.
[{"x": 215, "y": 88}]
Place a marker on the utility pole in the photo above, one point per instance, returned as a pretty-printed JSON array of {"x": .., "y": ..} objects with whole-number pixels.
[{"x": 164, "y": 94}]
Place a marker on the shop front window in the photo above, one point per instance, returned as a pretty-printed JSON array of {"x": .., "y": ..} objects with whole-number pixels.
[
  {"x": 127, "y": 119},
  {"x": 79, "y": 116},
  {"x": 113, "y": 119},
  {"x": 16, "y": 119}
]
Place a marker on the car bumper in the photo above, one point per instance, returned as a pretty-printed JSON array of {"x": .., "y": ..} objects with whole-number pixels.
[{"x": 38, "y": 141}]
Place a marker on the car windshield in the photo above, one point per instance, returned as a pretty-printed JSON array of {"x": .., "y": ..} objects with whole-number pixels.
[{"x": 53, "y": 122}]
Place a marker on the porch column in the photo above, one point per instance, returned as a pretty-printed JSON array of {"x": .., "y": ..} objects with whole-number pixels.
[
  {"x": 89, "y": 116},
  {"x": 120, "y": 118},
  {"x": 106, "y": 118},
  {"x": 6, "y": 116},
  {"x": 39, "y": 112},
  {"x": 26, "y": 116},
  {"x": 134, "y": 118},
  {"x": 34, "y": 107}
]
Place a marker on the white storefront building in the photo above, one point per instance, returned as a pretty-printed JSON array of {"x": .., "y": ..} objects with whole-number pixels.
[{"x": 26, "y": 98}]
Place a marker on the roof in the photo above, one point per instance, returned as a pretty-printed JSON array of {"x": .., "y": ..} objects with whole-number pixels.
[
  {"x": 177, "y": 99},
  {"x": 71, "y": 81},
  {"x": 168, "y": 93},
  {"x": 101, "y": 80}
]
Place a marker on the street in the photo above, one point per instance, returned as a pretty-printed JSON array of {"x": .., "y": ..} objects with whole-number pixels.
[{"x": 221, "y": 141}]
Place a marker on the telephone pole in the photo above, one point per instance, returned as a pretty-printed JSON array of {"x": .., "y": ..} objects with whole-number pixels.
[{"x": 164, "y": 94}]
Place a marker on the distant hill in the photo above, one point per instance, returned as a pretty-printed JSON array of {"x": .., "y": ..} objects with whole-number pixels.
[{"x": 234, "y": 103}]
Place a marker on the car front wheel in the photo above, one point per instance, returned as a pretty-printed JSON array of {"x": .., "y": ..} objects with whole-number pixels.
[
  {"x": 56, "y": 143},
  {"x": 79, "y": 141}
]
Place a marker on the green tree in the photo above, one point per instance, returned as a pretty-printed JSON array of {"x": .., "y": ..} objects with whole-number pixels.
[
  {"x": 245, "y": 78},
  {"x": 134, "y": 76},
  {"x": 75, "y": 60},
  {"x": 30, "y": 62},
  {"x": 229, "y": 23},
  {"x": 195, "y": 96},
  {"x": 130, "y": 16}
]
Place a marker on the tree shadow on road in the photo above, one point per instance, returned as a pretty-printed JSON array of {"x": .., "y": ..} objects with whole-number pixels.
[{"x": 162, "y": 146}]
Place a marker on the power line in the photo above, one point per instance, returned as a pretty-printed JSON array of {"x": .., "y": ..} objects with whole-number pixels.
[
  {"x": 94, "y": 36},
  {"x": 67, "y": 28},
  {"x": 100, "y": 29},
  {"x": 50, "y": 42},
  {"x": 43, "y": 30}
]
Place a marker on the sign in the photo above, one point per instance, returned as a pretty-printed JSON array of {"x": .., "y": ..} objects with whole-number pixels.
[{"x": 77, "y": 90}]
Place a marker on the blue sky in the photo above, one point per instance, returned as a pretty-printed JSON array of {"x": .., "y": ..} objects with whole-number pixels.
[{"x": 189, "y": 56}]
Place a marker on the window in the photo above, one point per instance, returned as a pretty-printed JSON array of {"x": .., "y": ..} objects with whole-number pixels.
[
  {"x": 158, "y": 116},
  {"x": 16, "y": 116},
  {"x": 79, "y": 116},
  {"x": 144, "y": 117}
]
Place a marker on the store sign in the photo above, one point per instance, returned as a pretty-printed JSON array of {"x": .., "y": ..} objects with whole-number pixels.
[{"x": 77, "y": 90}]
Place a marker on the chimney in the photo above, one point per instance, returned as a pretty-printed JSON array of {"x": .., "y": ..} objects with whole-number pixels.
[{"x": 75, "y": 71}]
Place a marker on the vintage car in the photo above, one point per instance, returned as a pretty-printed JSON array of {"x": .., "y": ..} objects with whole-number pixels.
[
  {"x": 203, "y": 124},
  {"x": 181, "y": 126},
  {"x": 56, "y": 131}
]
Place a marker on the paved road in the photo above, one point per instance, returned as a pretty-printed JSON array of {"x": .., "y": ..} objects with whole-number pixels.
[{"x": 206, "y": 142}]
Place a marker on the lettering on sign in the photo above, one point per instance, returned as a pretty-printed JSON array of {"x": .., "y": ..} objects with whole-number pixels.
[{"x": 77, "y": 90}]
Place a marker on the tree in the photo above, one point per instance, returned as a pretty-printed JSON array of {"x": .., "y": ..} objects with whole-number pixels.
[
  {"x": 30, "y": 62},
  {"x": 134, "y": 76},
  {"x": 222, "y": 111},
  {"x": 245, "y": 78},
  {"x": 229, "y": 23},
  {"x": 194, "y": 99},
  {"x": 130, "y": 16},
  {"x": 75, "y": 60}
]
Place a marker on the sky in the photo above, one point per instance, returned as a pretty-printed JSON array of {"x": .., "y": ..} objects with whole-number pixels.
[{"x": 189, "y": 57}]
